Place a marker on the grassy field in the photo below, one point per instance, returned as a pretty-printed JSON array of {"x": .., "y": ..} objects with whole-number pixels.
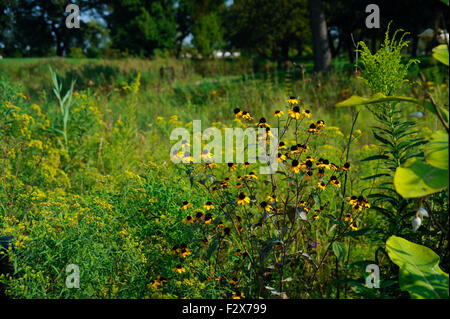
[{"x": 108, "y": 199}]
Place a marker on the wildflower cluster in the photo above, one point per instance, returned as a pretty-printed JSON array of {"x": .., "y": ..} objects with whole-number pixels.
[{"x": 268, "y": 218}]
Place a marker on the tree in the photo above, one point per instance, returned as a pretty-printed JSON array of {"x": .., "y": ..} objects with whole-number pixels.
[
  {"x": 140, "y": 27},
  {"x": 269, "y": 29},
  {"x": 322, "y": 53},
  {"x": 207, "y": 34},
  {"x": 37, "y": 27}
]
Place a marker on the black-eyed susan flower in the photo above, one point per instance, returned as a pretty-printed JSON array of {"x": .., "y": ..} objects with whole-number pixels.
[
  {"x": 272, "y": 198},
  {"x": 292, "y": 100},
  {"x": 158, "y": 282},
  {"x": 358, "y": 203},
  {"x": 281, "y": 157},
  {"x": 220, "y": 225},
  {"x": 239, "y": 185},
  {"x": 363, "y": 202},
  {"x": 307, "y": 164},
  {"x": 346, "y": 167},
  {"x": 251, "y": 175},
  {"x": 247, "y": 116},
  {"x": 334, "y": 166},
  {"x": 302, "y": 203},
  {"x": 186, "y": 205},
  {"x": 176, "y": 155},
  {"x": 175, "y": 249},
  {"x": 208, "y": 205},
  {"x": 353, "y": 226},
  {"x": 313, "y": 129},
  {"x": 306, "y": 113},
  {"x": 210, "y": 165},
  {"x": 294, "y": 150},
  {"x": 233, "y": 281},
  {"x": 316, "y": 216},
  {"x": 323, "y": 163},
  {"x": 295, "y": 113},
  {"x": 321, "y": 185},
  {"x": 268, "y": 133},
  {"x": 334, "y": 181},
  {"x": 188, "y": 220},
  {"x": 281, "y": 145},
  {"x": 352, "y": 200},
  {"x": 206, "y": 154},
  {"x": 231, "y": 167},
  {"x": 208, "y": 218},
  {"x": 243, "y": 199},
  {"x": 320, "y": 124},
  {"x": 179, "y": 269},
  {"x": 246, "y": 164},
  {"x": 184, "y": 252},
  {"x": 295, "y": 166},
  {"x": 265, "y": 206},
  {"x": 237, "y": 112},
  {"x": 348, "y": 218},
  {"x": 187, "y": 157},
  {"x": 262, "y": 123},
  {"x": 278, "y": 113}
]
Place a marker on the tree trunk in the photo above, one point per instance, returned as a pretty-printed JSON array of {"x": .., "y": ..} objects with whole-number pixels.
[{"x": 322, "y": 53}]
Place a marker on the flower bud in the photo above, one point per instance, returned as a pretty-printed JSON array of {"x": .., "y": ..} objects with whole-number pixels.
[
  {"x": 416, "y": 222},
  {"x": 422, "y": 212}
]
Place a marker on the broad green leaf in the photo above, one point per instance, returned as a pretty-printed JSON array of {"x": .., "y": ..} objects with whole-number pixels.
[
  {"x": 418, "y": 179},
  {"x": 339, "y": 250},
  {"x": 419, "y": 273},
  {"x": 440, "y": 53},
  {"x": 356, "y": 100},
  {"x": 436, "y": 151},
  {"x": 445, "y": 1}
]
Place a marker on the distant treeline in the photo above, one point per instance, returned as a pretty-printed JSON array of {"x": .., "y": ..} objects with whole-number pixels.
[{"x": 279, "y": 30}]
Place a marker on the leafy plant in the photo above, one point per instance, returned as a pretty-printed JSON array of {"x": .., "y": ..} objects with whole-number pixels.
[
  {"x": 64, "y": 102},
  {"x": 419, "y": 272}
]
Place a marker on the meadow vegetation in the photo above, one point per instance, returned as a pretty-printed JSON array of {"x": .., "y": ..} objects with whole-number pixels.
[{"x": 89, "y": 180}]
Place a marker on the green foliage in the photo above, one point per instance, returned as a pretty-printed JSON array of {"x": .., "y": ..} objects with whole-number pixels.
[
  {"x": 384, "y": 71},
  {"x": 207, "y": 34},
  {"x": 436, "y": 151},
  {"x": 140, "y": 27},
  {"x": 356, "y": 100},
  {"x": 114, "y": 206},
  {"x": 419, "y": 272},
  {"x": 256, "y": 27},
  {"x": 440, "y": 53},
  {"x": 418, "y": 179},
  {"x": 64, "y": 103}
]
